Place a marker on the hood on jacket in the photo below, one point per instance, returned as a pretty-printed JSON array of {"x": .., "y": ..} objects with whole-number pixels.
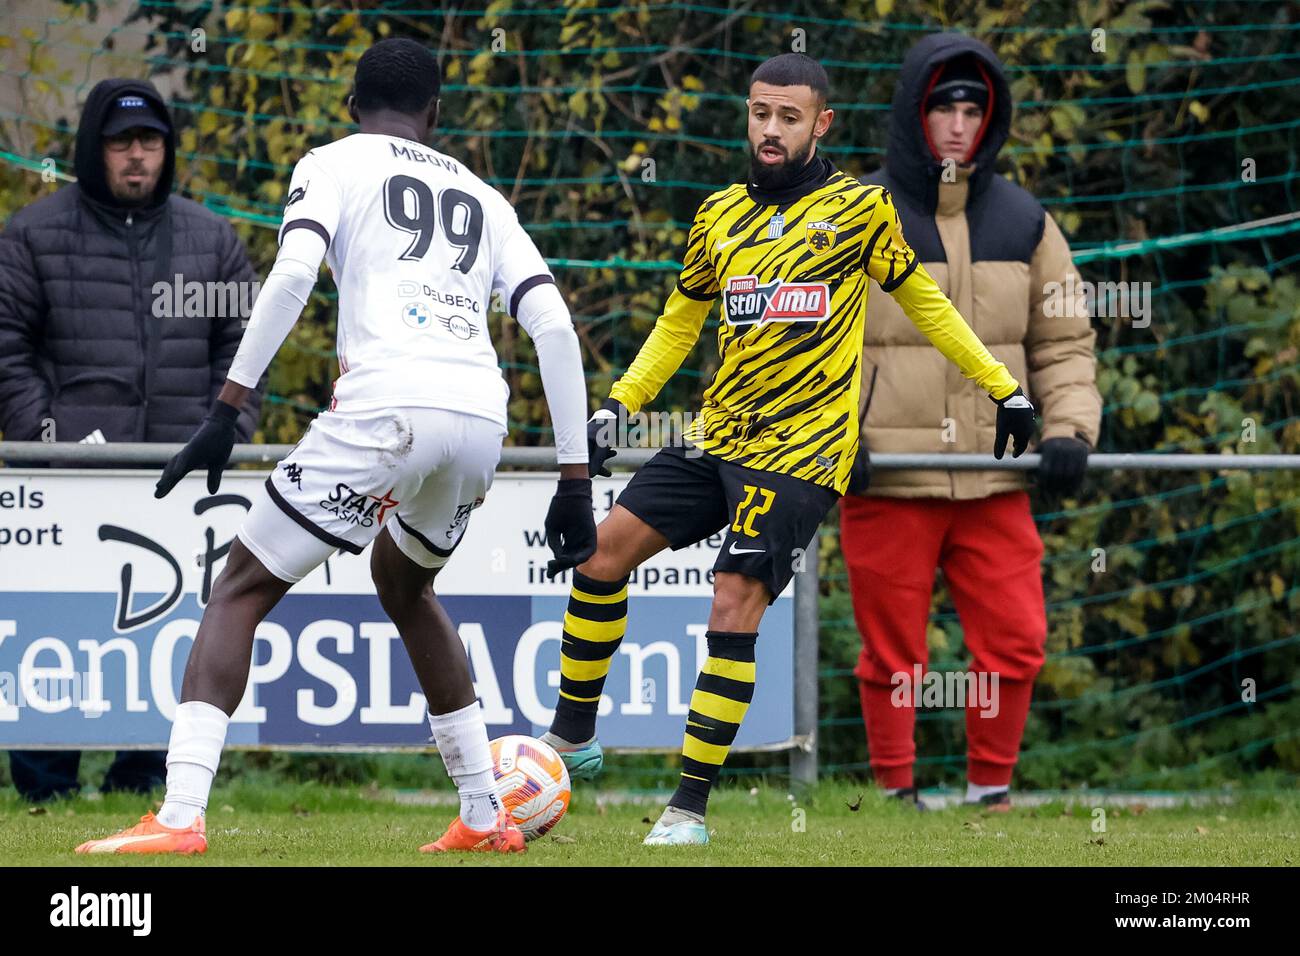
[
  {"x": 89, "y": 159},
  {"x": 908, "y": 157}
]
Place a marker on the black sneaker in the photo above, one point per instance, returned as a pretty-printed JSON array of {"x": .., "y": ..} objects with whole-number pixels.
[{"x": 999, "y": 802}]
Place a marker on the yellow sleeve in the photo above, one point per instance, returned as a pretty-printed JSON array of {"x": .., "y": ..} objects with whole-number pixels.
[
  {"x": 894, "y": 266},
  {"x": 677, "y": 329}
]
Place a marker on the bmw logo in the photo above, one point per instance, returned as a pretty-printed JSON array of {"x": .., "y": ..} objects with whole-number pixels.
[{"x": 417, "y": 315}]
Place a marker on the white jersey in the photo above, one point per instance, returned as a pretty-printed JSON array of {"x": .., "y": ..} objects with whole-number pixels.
[{"x": 417, "y": 244}]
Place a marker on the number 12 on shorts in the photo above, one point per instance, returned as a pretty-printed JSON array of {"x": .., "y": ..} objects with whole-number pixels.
[{"x": 749, "y": 509}]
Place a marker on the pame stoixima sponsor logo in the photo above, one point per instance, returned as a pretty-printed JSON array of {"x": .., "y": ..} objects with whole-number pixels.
[{"x": 746, "y": 301}]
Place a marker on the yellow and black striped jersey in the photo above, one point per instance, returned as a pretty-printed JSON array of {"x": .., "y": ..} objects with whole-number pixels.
[{"x": 793, "y": 282}]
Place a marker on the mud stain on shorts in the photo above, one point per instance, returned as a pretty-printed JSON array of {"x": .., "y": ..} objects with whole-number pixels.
[{"x": 396, "y": 442}]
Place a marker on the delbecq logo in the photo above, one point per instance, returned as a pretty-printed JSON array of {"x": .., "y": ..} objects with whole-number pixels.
[{"x": 74, "y": 909}]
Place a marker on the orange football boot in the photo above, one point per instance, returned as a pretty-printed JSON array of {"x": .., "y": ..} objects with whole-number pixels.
[
  {"x": 150, "y": 836},
  {"x": 503, "y": 837}
]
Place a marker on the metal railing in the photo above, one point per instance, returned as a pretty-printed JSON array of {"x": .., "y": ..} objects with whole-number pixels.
[{"x": 803, "y": 757}]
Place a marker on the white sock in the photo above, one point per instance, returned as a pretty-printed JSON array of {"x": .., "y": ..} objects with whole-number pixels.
[
  {"x": 976, "y": 792},
  {"x": 198, "y": 734},
  {"x": 461, "y": 738},
  {"x": 673, "y": 815},
  {"x": 559, "y": 743}
]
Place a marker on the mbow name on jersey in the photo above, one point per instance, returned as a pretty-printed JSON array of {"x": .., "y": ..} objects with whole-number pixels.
[{"x": 749, "y": 303}]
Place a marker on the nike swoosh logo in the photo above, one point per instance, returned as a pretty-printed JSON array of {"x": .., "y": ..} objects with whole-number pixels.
[
  {"x": 722, "y": 245},
  {"x": 734, "y": 550}
]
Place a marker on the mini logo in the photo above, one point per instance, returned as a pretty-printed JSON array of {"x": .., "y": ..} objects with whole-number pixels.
[
  {"x": 820, "y": 236},
  {"x": 417, "y": 315},
  {"x": 294, "y": 473},
  {"x": 297, "y": 194},
  {"x": 825, "y": 462},
  {"x": 776, "y": 226},
  {"x": 131, "y": 102},
  {"x": 458, "y": 326},
  {"x": 748, "y": 303}
]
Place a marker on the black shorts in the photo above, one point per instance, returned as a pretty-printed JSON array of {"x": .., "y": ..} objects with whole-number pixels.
[{"x": 769, "y": 518}]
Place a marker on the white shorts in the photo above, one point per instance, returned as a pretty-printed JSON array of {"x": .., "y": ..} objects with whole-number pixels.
[{"x": 417, "y": 471}]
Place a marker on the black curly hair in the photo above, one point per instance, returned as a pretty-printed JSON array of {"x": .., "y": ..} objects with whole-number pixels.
[{"x": 397, "y": 74}]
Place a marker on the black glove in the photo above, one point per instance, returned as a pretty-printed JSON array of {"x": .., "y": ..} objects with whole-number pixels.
[
  {"x": 209, "y": 448},
  {"x": 1015, "y": 420},
  {"x": 570, "y": 526},
  {"x": 860, "y": 475},
  {"x": 602, "y": 436},
  {"x": 1064, "y": 462}
]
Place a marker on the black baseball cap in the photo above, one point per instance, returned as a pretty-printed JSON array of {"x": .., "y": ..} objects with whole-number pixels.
[{"x": 131, "y": 110}]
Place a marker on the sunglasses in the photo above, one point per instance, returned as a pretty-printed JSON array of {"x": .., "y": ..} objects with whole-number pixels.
[{"x": 150, "y": 139}]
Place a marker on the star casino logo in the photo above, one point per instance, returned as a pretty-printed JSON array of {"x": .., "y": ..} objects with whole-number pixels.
[
  {"x": 747, "y": 302},
  {"x": 355, "y": 508}
]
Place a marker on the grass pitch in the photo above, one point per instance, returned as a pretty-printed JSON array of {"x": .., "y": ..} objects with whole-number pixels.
[{"x": 317, "y": 825}]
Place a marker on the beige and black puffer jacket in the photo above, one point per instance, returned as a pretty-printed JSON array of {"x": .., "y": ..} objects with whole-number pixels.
[{"x": 995, "y": 252}]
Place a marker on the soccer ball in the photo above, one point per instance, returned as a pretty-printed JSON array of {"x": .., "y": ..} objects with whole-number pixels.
[{"x": 532, "y": 781}]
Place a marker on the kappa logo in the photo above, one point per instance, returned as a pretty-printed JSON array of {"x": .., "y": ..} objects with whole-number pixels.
[
  {"x": 820, "y": 236},
  {"x": 293, "y": 473},
  {"x": 355, "y": 508},
  {"x": 747, "y": 302}
]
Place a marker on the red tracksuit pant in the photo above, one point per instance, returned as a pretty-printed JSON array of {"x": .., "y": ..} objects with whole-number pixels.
[{"x": 991, "y": 555}]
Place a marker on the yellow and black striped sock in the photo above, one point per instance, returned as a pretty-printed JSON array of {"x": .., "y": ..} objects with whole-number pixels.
[
  {"x": 593, "y": 629},
  {"x": 722, "y": 695}
]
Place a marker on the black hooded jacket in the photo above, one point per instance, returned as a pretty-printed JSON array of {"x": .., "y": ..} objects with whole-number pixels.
[
  {"x": 80, "y": 344},
  {"x": 1006, "y": 222}
]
